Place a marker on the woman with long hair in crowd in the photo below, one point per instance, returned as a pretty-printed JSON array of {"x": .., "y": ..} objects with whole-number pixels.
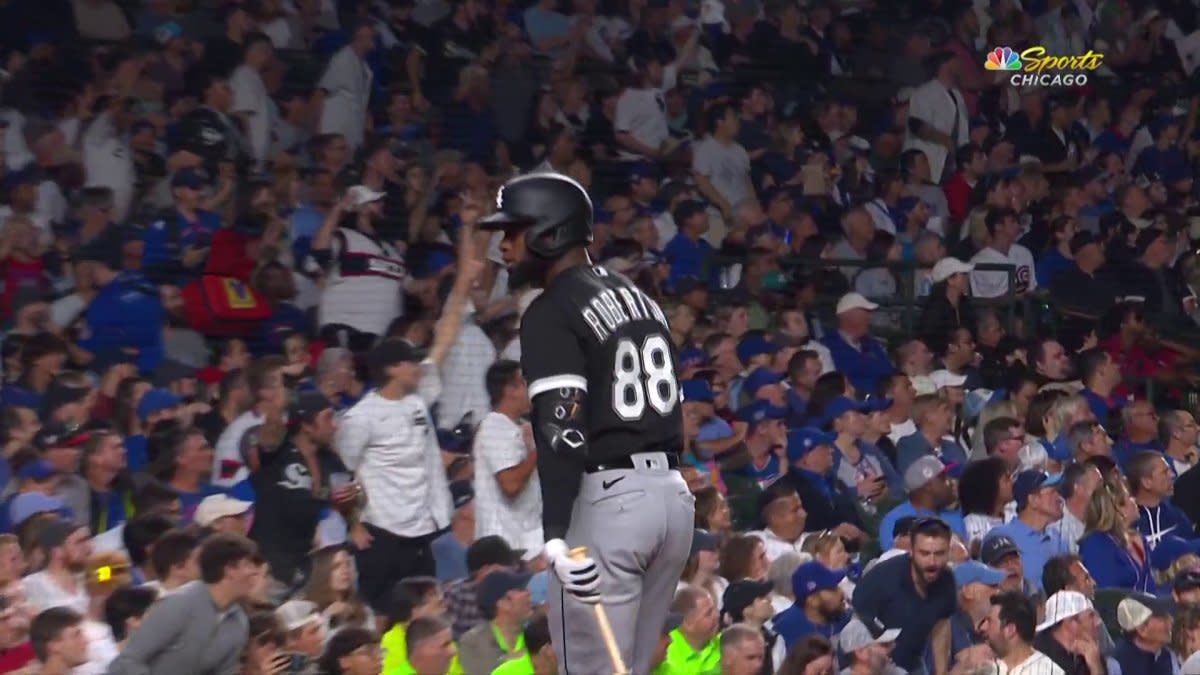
[
  {"x": 712, "y": 511},
  {"x": 743, "y": 557},
  {"x": 984, "y": 489},
  {"x": 1185, "y": 638},
  {"x": 1112, "y": 549},
  {"x": 331, "y": 585},
  {"x": 702, "y": 565}
]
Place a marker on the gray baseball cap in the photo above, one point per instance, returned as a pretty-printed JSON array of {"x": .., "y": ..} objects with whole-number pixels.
[{"x": 856, "y": 635}]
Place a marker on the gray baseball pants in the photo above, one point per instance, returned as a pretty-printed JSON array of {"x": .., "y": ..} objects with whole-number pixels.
[{"x": 637, "y": 524}]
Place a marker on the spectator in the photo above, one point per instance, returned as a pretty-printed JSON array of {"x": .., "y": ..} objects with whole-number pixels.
[
  {"x": 353, "y": 651},
  {"x": 915, "y": 593},
  {"x": 124, "y": 611},
  {"x": 506, "y": 485},
  {"x": 1069, "y": 634},
  {"x": 346, "y": 87},
  {"x": 860, "y": 357},
  {"x": 410, "y": 599},
  {"x": 1177, "y": 434},
  {"x": 331, "y": 585},
  {"x": 450, "y": 549},
  {"x": 539, "y": 654},
  {"x": 1078, "y": 483},
  {"x": 1003, "y": 229},
  {"x": 929, "y": 496},
  {"x": 222, "y": 513},
  {"x": 264, "y": 378},
  {"x": 1112, "y": 548},
  {"x": 748, "y": 603},
  {"x": 743, "y": 651},
  {"x": 1011, "y": 629},
  {"x": 1152, "y": 484},
  {"x": 505, "y": 600},
  {"x": 819, "y": 605},
  {"x": 1038, "y": 505},
  {"x": 866, "y": 650},
  {"x": 66, "y": 548},
  {"x": 694, "y": 645},
  {"x": 298, "y": 482},
  {"x": 175, "y": 559},
  {"x": 201, "y": 625},
  {"x": 305, "y": 631},
  {"x": 58, "y": 640},
  {"x": 1147, "y": 624}
]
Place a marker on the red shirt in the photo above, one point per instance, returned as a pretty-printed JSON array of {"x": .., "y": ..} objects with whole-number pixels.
[
  {"x": 1136, "y": 361},
  {"x": 17, "y": 275},
  {"x": 16, "y": 658},
  {"x": 958, "y": 197}
]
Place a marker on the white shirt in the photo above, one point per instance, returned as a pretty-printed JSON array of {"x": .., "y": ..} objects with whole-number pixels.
[
  {"x": 229, "y": 468},
  {"x": 43, "y": 593},
  {"x": 776, "y": 546},
  {"x": 463, "y": 372},
  {"x": 500, "y": 445},
  {"x": 251, "y": 101},
  {"x": 995, "y": 284},
  {"x": 905, "y": 428},
  {"x": 392, "y": 448},
  {"x": 101, "y": 648},
  {"x": 1070, "y": 528},
  {"x": 347, "y": 86},
  {"x": 1037, "y": 664},
  {"x": 642, "y": 113},
  {"x": 108, "y": 162},
  {"x": 932, "y": 103}
]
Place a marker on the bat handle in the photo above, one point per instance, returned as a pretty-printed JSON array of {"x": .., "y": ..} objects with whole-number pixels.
[{"x": 610, "y": 641}]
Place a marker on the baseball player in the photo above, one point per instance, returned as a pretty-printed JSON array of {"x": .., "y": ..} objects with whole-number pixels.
[{"x": 601, "y": 368}]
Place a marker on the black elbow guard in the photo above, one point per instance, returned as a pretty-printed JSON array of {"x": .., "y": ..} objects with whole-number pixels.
[{"x": 560, "y": 421}]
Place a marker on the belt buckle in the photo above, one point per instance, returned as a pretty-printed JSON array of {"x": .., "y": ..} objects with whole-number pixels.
[{"x": 653, "y": 461}]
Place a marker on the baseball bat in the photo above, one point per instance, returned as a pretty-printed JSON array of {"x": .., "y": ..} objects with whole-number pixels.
[{"x": 614, "y": 652}]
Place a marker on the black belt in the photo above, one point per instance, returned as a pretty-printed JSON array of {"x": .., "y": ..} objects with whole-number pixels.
[{"x": 627, "y": 463}]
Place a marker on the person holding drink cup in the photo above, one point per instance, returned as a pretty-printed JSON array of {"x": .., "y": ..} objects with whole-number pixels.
[
  {"x": 299, "y": 480},
  {"x": 861, "y": 467}
]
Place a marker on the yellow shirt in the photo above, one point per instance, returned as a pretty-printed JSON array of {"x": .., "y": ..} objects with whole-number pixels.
[
  {"x": 521, "y": 666},
  {"x": 395, "y": 654},
  {"x": 683, "y": 660}
]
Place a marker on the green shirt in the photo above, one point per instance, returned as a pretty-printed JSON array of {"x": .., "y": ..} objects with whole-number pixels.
[
  {"x": 395, "y": 654},
  {"x": 521, "y": 666},
  {"x": 683, "y": 660}
]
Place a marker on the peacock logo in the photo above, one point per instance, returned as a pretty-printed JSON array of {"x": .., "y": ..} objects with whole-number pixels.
[{"x": 1002, "y": 58}]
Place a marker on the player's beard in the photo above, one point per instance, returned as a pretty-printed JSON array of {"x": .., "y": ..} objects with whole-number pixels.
[{"x": 529, "y": 273}]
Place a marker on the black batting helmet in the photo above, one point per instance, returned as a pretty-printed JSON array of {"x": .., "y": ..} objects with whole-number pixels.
[{"x": 555, "y": 210}]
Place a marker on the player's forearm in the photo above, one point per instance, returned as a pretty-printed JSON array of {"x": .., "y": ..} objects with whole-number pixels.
[{"x": 560, "y": 478}]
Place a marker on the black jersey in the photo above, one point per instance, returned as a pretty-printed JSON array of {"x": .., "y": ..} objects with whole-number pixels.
[{"x": 594, "y": 330}]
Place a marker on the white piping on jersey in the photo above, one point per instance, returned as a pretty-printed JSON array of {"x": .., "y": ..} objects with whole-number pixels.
[
  {"x": 548, "y": 174},
  {"x": 565, "y": 381}
]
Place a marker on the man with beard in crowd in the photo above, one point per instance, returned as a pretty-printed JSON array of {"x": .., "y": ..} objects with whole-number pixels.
[
  {"x": 1011, "y": 628},
  {"x": 915, "y": 593},
  {"x": 67, "y": 548}
]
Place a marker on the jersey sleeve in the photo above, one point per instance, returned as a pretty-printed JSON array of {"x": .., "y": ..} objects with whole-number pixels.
[{"x": 551, "y": 356}]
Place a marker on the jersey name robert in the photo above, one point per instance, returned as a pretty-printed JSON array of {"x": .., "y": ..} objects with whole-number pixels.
[{"x": 610, "y": 309}]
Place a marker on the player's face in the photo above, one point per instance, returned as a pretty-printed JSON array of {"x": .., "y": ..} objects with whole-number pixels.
[{"x": 524, "y": 268}]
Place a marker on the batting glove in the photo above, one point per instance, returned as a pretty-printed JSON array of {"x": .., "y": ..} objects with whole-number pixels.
[{"x": 579, "y": 577}]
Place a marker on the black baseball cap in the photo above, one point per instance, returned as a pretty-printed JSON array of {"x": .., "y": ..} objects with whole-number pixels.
[
  {"x": 741, "y": 594},
  {"x": 703, "y": 540},
  {"x": 58, "y": 435},
  {"x": 390, "y": 352},
  {"x": 497, "y": 584},
  {"x": 1187, "y": 580},
  {"x": 997, "y": 548},
  {"x": 308, "y": 405}
]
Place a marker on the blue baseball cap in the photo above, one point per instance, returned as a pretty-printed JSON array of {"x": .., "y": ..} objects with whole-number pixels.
[
  {"x": 759, "y": 378},
  {"x": 28, "y": 504},
  {"x": 156, "y": 400},
  {"x": 759, "y": 412},
  {"x": 188, "y": 178},
  {"x": 803, "y": 440},
  {"x": 813, "y": 577},
  {"x": 972, "y": 571},
  {"x": 693, "y": 357},
  {"x": 697, "y": 391},
  {"x": 754, "y": 345},
  {"x": 875, "y": 404},
  {"x": 714, "y": 429},
  {"x": 840, "y": 406},
  {"x": 1028, "y": 482},
  {"x": 38, "y": 470},
  {"x": 640, "y": 170}
]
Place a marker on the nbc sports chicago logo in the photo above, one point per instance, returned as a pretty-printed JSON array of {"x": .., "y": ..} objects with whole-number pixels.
[{"x": 1034, "y": 67}]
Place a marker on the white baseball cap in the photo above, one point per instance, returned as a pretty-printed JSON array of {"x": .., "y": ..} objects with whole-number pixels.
[
  {"x": 295, "y": 614},
  {"x": 948, "y": 267},
  {"x": 1137, "y": 609},
  {"x": 361, "y": 195},
  {"x": 944, "y": 378},
  {"x": 216, "y": 507},
  {"x": 851, "y": 301},
  {"x": 1062, "y": 606},
  {"x": 920, "y": 472},
  {"x": 855, "y": 635}
]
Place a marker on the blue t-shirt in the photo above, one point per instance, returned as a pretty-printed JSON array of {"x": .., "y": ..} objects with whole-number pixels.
[
  {"x": 190, "y": 500},
  {"x": 686, "y": 257}
]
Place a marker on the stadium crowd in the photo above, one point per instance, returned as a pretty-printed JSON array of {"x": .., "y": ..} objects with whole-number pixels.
[{"x": 262, "y": 403}]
